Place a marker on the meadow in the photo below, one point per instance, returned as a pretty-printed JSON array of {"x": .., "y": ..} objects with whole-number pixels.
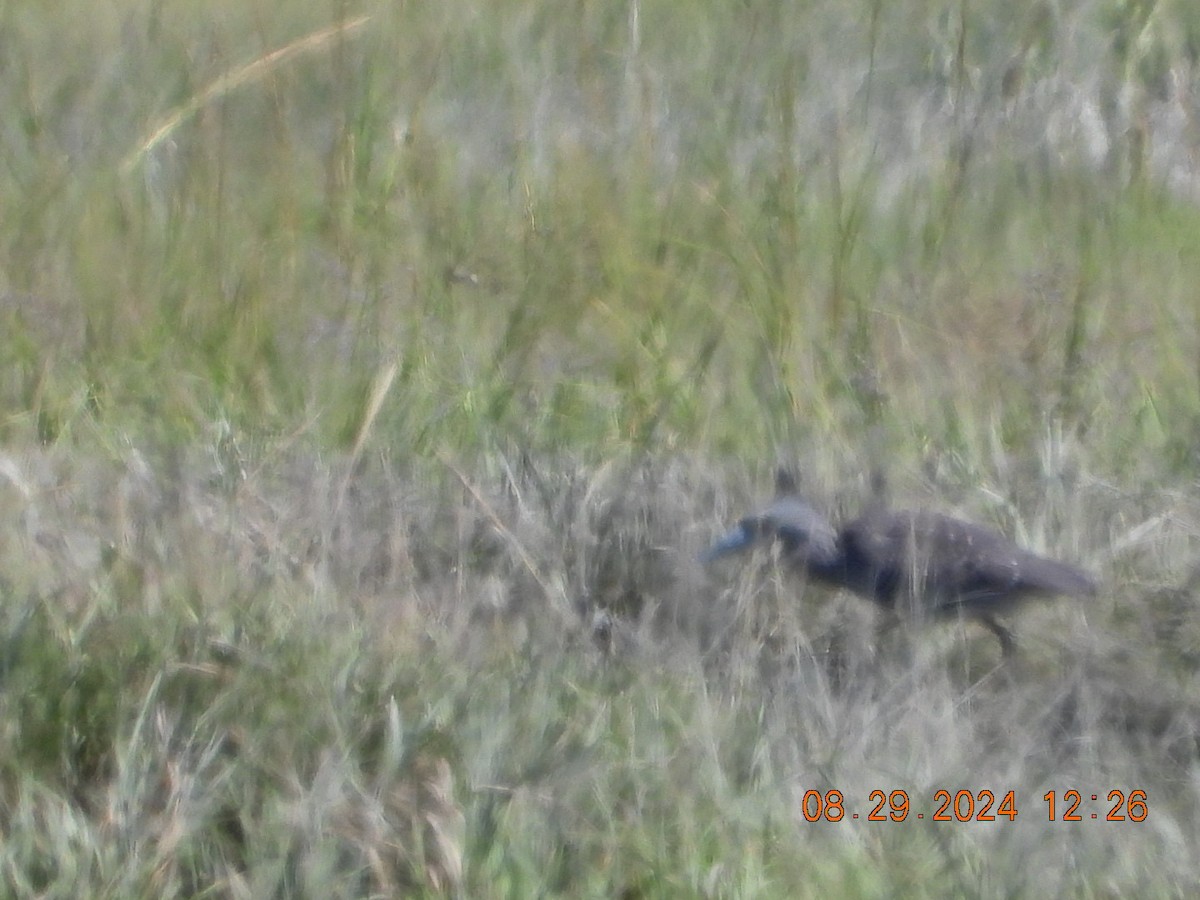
[{"x": 373, "y": 374}]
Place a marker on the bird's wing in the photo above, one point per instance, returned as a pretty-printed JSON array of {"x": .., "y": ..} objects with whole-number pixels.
[
  {"x": 968, "y": 564},
  {"x": 951, "y": 563}
]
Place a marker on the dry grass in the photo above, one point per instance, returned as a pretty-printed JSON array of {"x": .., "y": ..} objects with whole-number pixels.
[{"x": 263, "y": 688}]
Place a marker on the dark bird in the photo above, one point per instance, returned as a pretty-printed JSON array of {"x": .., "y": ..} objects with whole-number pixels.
[{"x": 918, "y": 564}]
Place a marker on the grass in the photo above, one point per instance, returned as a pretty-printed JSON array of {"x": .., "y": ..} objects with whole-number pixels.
[{"x": 370, "y": 389}]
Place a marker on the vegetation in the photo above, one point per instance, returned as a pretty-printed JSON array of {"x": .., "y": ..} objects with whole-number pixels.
[{"x": 373, "y": 373}]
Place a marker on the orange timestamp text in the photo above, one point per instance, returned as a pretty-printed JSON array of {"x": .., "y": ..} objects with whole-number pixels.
[{"x": 973, "y": 806}]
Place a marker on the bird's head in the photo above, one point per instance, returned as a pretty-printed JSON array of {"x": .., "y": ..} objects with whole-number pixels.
[{"x": 801, "y": 531}]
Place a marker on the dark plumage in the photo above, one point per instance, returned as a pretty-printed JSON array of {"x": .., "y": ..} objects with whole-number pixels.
[{"x": 915, "y": 563}]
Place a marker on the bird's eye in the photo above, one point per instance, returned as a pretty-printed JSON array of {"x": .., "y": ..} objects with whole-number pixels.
[{"x": 792, "y": 534}]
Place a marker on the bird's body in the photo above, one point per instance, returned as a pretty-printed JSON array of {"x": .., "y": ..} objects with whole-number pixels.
[{"x": 917, "y": 564}]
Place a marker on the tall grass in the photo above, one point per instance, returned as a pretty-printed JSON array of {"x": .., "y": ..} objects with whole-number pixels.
[{"x": 372, "y": 373}]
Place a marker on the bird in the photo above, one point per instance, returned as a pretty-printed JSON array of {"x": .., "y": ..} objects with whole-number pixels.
[{"x": 918, "y": 564}]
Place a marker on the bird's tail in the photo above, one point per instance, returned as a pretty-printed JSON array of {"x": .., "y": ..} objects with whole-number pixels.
[{"x": 1062, "y": 578}]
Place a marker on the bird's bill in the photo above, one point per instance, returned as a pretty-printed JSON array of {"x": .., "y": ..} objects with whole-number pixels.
[{"x": 738, "y": 539}]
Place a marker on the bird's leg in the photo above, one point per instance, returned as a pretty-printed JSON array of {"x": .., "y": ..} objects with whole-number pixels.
[
  {"x": 1008, "y": 644},
  {"x": 894, "y": 630},
  {"x": 885, "y": 623}
]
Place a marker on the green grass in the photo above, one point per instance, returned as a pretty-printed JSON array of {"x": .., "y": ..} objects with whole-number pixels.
[{"x": 368, "y": 389}]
